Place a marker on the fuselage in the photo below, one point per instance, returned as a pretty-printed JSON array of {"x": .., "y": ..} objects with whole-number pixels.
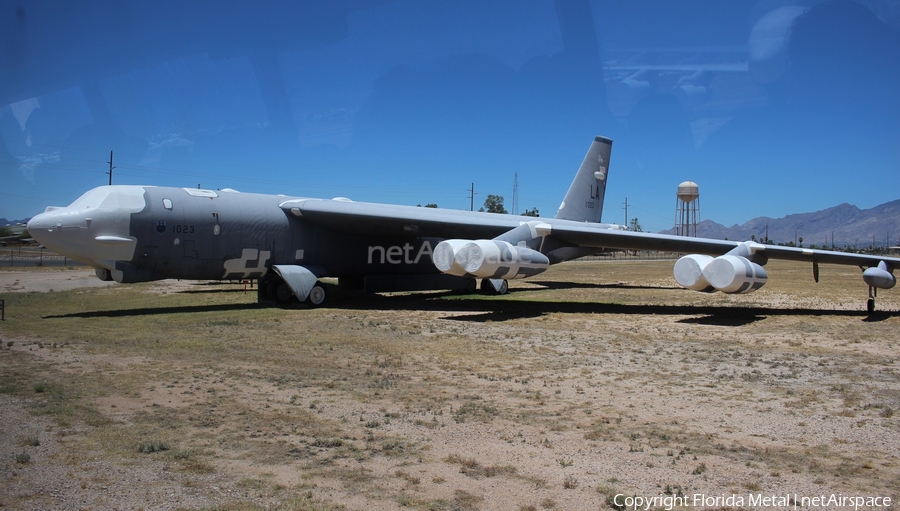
[{"x": 142, "y": 233}]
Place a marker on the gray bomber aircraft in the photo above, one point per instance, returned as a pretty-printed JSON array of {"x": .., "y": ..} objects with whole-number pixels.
[{"x": 143, "y": 233}]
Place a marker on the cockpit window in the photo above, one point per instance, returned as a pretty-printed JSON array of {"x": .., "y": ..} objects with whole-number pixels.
[
  {"x": 114, "y": 198},
  {"x": 167, "y": 203}
]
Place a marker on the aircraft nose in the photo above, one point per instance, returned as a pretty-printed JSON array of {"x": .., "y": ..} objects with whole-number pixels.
[
  {"x": 61, "y": 230},
  {"x": 40, "y": 226},
  {"x": 93, "y": 229}
]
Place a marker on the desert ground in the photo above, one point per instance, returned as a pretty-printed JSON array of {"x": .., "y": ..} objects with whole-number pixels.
[{"x": 593, "y": 380}]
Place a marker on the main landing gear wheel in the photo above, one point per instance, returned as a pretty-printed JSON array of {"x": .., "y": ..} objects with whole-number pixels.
[
  {"x": 316, "y": 296},
  {"x": 284, "y": 292},
  {"x": 488, "y": 287},
  {"x": 870, "y": 305},
  {"x": 271, "y": 289}
]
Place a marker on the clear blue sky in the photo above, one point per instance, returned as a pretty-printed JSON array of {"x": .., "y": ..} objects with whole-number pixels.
[{"x": 773, "y": 107}]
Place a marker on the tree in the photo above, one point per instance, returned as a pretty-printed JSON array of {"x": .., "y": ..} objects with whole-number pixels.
[
  {"x": 635, "y": 225},
  {"x": 431, "y": 205},
  {"x": 494, "y": 204},
  {"x": 531, "y": 212},
  {"x": 5, "y": 231}
]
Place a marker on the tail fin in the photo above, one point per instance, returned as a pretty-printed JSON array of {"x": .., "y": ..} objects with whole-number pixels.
[{"x": 584, "y": 200}]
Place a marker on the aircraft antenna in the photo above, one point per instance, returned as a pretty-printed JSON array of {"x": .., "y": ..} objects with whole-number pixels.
[
  {"x": 515, "y": 198},
  {"x": 110, "y": 167}
]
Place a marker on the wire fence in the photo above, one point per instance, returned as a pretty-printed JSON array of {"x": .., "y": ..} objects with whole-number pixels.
[
  {"x": 25, "y": 257},
  {"x": 633, "y": 255}
]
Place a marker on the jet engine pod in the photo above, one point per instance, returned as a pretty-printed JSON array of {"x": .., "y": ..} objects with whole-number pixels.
[
  {"x": 488, "y": 259},
  {"x": 444, "y": 257},
  {"x": 879, "y": 276},
  {"x": 734, "y": 274},
  {"x": 689, "y": 272}
]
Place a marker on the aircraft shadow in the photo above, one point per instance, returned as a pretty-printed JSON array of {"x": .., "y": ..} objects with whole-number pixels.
[
  {"x": 152, "y": 311},
  {"x": 585, "y": 285},
  {"x": 724, "y": 319},
  {"x": 487, "y": 309},
  {"x": 214, "y": 291}
]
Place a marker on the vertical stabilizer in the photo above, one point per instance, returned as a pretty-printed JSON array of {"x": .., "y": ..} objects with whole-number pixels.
[{"x": 584, "y": 200}]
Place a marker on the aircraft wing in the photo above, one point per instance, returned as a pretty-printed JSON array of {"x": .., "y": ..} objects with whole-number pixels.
[
  {"x": 384, "y": 219},
  {"x": 392, "y": 220},
  {"x": 588, "y": 236}
]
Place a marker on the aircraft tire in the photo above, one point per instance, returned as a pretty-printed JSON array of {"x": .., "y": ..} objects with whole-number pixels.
[
  {"x": 316, "y": 296},
  {"x": 870, "y": 305},
  {"x": 272, "y": 289},
  {"x": 284, "y": 292},
  {"x": 487, "y": 287}
]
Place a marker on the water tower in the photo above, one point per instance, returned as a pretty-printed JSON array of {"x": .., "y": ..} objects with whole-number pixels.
[{"x": 687, "y": 209}]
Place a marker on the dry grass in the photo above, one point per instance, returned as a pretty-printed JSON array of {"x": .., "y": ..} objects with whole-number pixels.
[{"x": 592, "y": 371}]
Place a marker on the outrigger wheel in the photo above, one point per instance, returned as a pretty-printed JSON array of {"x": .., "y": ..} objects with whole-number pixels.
[{"x": 316, "y": 296}]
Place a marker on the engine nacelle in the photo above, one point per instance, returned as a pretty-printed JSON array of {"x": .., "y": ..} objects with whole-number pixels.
[
  {"x": 880, "y": 276},
  {"x": 735, "y": 274},
  {"x": 689, "y": 272},
  {"x": 727, "y": 273},
  {"x": 487, "y": 259}
]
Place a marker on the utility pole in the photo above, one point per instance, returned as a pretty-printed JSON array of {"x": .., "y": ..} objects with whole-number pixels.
[
  {"x": 110, "y": 167},
  {"x": 472, "y": 198},
  {"x": 515, "y": 198},
  {"x": 626, "y": 211}
]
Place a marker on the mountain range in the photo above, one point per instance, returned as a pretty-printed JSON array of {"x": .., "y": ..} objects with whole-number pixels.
[{"x": 844, "y": 225}]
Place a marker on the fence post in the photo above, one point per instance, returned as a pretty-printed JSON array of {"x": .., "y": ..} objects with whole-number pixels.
[{"x": 2, "y": 310}]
